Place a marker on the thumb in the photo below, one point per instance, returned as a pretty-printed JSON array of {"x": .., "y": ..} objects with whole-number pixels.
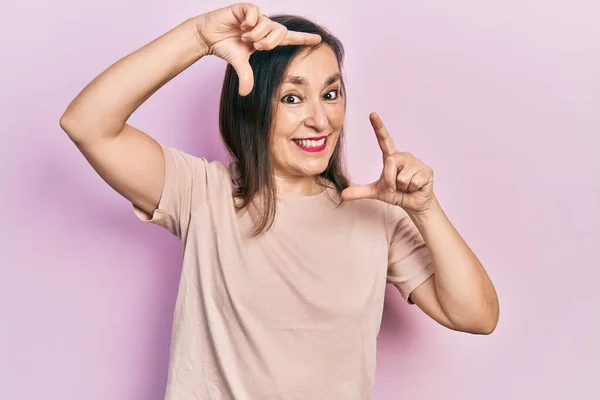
[
  {"x": 360, "y": 192},
  {"x": 245, "y": 75}
]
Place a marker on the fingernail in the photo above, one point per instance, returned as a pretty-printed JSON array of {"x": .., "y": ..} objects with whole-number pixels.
[
  {"x": 258, "y": 46},
  {"x": 391, "y": 189}
]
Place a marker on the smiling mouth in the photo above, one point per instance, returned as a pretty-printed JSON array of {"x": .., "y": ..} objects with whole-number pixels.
[{"x": 311, "y": 145}]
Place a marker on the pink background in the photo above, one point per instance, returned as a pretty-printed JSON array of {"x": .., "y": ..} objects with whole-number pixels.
[{"x": 501, "y": 98}]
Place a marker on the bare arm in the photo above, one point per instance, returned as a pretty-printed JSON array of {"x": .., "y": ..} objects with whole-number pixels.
[
  {"x": 460, "y": 295},
  {"x": 127, "y": 159}
]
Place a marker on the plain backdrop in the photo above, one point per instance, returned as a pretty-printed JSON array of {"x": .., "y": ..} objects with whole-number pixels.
[{"x": 501, "y": 98}]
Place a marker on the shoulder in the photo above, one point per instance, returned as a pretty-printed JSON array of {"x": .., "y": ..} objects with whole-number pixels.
[
  {"x": 387, "y": 216},
  {"x": 368, "y": 210},
  {"x": 180, "y": 161},
  {"x": 196, "y": 177}
]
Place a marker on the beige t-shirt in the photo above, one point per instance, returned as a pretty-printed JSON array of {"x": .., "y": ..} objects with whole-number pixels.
[{"x": 292, "y": 314}]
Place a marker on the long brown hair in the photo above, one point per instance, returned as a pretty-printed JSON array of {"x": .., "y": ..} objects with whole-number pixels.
[{"x": 245, "y": 122}]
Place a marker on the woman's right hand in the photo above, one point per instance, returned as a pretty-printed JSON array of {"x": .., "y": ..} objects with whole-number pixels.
[{"x": 233, "y": 33}]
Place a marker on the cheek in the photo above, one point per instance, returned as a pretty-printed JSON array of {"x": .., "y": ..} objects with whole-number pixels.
[
  {"x": 287, "y": 121},
  {"x": 338, "y": 116},
  {"x": 283, "y": 128},
  {"x": 337, "y": 120}
]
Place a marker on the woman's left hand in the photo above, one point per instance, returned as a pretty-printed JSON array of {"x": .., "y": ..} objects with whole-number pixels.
[{"x": 405, "y": 181}]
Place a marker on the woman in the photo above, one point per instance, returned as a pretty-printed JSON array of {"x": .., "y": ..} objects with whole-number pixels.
[{"x": 285, "y": 263}]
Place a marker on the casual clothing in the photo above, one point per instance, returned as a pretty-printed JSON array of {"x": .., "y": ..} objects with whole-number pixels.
[{"x": 292, "y": 314}]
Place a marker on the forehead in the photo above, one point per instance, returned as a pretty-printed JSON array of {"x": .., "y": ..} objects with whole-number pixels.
[{"x": 316, "y": 65}]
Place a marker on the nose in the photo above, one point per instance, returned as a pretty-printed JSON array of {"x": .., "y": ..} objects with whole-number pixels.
[{"x": 316, "y": 117}]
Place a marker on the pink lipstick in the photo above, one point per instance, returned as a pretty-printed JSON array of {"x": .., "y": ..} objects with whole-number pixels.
[{"x": 311, "y": 145}]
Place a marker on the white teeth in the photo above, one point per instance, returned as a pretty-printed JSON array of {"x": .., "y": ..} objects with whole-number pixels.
[{"x": 311, "y": 143}]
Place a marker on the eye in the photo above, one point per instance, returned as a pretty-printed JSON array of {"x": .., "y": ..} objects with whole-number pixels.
[
  {"x": 331, "y": 95},
  {"x": 289, "y": 99}
]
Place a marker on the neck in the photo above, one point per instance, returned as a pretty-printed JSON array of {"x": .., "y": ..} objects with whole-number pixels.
[{"x": 296, "y": 186}]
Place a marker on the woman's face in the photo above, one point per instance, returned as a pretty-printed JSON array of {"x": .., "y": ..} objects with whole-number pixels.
[{"x": 309, "y": 114}]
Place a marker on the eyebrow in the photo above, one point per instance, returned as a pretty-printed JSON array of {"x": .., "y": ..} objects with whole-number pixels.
[{"x": 300, "y": 80}]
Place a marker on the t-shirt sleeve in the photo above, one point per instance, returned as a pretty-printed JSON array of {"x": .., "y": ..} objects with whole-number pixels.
[
  {"x": 189, "y": 180},
  {"x": 409, "y": 263}
]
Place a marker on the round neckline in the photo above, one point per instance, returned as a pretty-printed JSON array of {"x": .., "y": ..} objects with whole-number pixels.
[
  {"x": 327, "y": 193},
  {"x": 232, "y": 169},
  {"x": 302, "y": 197}
]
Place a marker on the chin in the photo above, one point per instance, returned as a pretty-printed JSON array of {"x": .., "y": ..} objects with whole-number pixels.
[{"x": 314, "y": 168}]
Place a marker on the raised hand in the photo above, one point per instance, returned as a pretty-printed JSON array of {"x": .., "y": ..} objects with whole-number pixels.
[
  {"x": 405, "y": 181},
  {"x": 233, "y": 33}
]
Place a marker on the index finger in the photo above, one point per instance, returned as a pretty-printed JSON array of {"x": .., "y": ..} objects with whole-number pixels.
[
  {"x": 300, "y": 38},
  {"x": 386, "y": 143}
]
